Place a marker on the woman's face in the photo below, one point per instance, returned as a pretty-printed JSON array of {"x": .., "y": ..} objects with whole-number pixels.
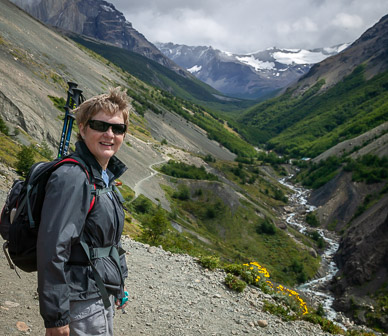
[{"x": 103, "y": 145}]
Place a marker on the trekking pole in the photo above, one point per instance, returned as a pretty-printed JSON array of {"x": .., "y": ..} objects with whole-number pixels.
[
  {"x": 75, "y": 100},
  {"x": 72, "y": 86}
]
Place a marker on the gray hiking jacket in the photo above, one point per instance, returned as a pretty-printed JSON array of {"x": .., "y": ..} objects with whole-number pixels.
[{"x": 63, "y": 272}]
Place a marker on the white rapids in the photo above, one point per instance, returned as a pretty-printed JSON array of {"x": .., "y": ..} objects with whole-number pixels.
[{"x": 316, "y": 288}]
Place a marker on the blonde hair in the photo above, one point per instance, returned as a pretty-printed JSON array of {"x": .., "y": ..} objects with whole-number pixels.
[{"x": 111, "y": 103}]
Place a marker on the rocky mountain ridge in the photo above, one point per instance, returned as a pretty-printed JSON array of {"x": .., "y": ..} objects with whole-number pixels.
[
  {"x": 98, "y": 19},
  {"x": 370, "y": 48},
  {"x": 254, "y": 75}
]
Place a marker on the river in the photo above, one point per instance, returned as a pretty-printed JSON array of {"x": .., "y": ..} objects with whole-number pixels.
[{"x": 316, "y": 288}]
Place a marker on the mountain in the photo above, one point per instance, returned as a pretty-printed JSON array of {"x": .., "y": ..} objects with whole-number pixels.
[
  {"x": 338, "y": 99},
  {"x": 100, "y": 27},
  {"x": 253, "y": 76},
  {"x": 155, "y": 74},
  {"x": 98, "y": 19}
]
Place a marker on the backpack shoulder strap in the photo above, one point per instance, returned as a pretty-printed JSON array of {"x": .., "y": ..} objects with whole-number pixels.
[{"x": 78, "y": 161}]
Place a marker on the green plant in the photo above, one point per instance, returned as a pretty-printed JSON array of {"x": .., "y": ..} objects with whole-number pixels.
[
  {"x": 25, "y": 159},
  {"x": 142, "y": 204},
  {"x": 183, "y": 192},
  {"x": 45, "y": 150},
  {"x": 3, "y": 127},
  {"x": 325, "y": 324},
  {"x": 182, "y": 170},
  {"x": 235, "y": 283},
  {"x": 156, "y": 226},
  {"x": 312, "y": 219},
  {"x": 210, "y": 262},
  {"x": 266, "y": 227},
  {"x": 279, "y": 310}
]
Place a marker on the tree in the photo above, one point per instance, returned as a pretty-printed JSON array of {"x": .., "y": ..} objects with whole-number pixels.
[
  {"x": 3, "y": 127},
  {"x": 156, "y": 226},
  {"x": 45, "y": 150},
  {"x": 25, "y": 160},
  {"x": 266, "y": 227}
]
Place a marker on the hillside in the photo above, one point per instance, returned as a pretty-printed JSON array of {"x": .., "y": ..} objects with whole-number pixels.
[{"x": 339, "y": 99}]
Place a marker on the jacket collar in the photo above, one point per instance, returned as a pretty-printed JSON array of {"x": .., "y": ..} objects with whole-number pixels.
[{"x": 115, "y": 166}]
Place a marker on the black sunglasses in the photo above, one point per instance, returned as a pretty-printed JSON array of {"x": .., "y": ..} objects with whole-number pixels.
[{"x": 102, "y": 126}]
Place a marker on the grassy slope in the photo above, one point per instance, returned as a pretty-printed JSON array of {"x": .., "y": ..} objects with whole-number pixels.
[{"x": 309, "y": 124}]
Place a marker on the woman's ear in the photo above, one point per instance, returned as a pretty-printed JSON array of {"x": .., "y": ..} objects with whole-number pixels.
[{"x": 81, "y": 130}]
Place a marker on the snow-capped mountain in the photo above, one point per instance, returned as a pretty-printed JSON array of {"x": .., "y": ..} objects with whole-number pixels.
[{"x": 252, "y": 75}]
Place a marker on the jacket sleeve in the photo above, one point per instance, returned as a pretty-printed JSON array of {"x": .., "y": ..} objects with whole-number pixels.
[{"x": 63, "y": 216}]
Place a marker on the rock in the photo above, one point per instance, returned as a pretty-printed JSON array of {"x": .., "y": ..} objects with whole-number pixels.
[
  {"x": 21, "y": 326},
  {"x": 11, "y": 304},
  {"x": 262, "y": 323}
]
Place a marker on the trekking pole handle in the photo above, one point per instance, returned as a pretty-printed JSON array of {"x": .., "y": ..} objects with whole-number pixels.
[
  {"x": 70, "y": 93},
  {"x": 74, "y": 102}
]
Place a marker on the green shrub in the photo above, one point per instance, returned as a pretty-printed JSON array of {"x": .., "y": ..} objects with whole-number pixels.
[
  {"x": 312, "y": 219},
  {"x": 142, "y": 204},
  {"x": 325, "y": 324},
  {"x": 25, "y": 159},
  {"x": 3, "y": 127},
  {"x": 235, "y": 283},
  {"x": 183, "y": 192},
  {"x": 183, "y": 170},
  {"x": 45, "y": 151},
  {"x": 155, "y": 227},
  {"x": 210, "y": 262},
  {"x": 266, "y": 227},
  {"x": 279, "y": 310}
]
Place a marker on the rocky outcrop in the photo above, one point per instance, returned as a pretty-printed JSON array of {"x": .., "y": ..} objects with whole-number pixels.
[
  {"x": 376, "y": 140},
  {"x": 363, "y": 250},
  {"x": 362, "y": 260},
  {"x": 338, "y": 200}
]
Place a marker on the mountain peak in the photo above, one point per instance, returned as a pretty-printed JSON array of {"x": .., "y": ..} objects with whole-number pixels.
[
  {"x": 98, "y": 19},
  {"x": 252, "y": 75}
]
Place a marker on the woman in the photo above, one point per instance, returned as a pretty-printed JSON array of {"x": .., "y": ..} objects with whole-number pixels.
[{"x": 71, "y": 302}]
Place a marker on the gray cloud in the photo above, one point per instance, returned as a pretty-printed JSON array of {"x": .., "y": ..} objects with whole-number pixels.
[{"x": 251, "y": 25}]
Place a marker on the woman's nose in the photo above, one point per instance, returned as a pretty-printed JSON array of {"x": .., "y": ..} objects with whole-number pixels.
[{"x": 109, "y": 132}]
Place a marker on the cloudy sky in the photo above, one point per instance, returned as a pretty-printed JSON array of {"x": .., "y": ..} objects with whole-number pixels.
[{"x": 243, "y": 26}]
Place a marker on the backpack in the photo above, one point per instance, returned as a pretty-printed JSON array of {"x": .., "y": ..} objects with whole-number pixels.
[{"x": 20, "y": 217}]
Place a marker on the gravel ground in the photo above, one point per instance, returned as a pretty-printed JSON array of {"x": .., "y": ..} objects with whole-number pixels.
[{"x": 170, "y": 294}]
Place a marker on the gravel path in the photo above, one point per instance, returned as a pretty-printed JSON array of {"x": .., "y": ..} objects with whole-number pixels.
[{"x": 170, "y": 294}]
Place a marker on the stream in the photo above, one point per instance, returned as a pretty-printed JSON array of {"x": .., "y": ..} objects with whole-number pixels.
[{"x": 316, "y": 289}]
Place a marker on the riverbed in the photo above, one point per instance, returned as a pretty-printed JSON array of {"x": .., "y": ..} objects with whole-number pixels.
[{"x": 316, "y": 288}]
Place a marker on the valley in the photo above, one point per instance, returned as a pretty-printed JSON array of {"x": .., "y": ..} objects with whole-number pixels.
[{"x": 210, "y": 169}]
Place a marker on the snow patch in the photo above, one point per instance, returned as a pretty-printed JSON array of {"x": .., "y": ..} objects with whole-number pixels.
[
  {"x": 195, "y": 68},
  {"x": 299, "y": 57},
  {"x": 255, "y": 63}
]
